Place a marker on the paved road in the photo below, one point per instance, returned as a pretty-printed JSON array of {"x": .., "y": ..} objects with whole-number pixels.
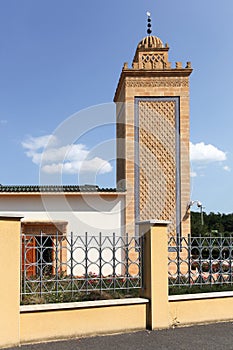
[{"x": 207, "y": 337}]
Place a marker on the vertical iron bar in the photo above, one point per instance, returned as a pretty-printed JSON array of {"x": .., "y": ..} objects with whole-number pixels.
[
  {"x": 56, "y": 262},
  {"x": 100, "y": 261},
  {"x": 20, "y": 266},
  {"x": 221, "y": 264},
  {"x": 230, "y": 259},
  {"x": 137, "y": 242},
  {"x": 199, "y": 244},
  {"x": 41, "y": 264},
  {"x": 114, "y": 261},
  {"x": 127, "y": 261},
  {"x": 210, "y": 260},
  {"x": 226, "y": 246},
  {"x": 72, "y": 262},
  {"x": 141, "y": 241},
  {"x": 25, "y": 266},
  {"x": 178, "y": 262},
  {"x": 86, "y": 261},
  {"x": 189, "y": 260}
]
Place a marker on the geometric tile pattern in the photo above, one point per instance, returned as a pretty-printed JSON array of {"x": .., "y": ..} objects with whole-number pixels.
[
  {"x": 157, "y": 160},
  {"x": 153, "y": 61}
]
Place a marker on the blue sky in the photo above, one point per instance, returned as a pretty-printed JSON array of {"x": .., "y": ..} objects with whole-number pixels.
[{"x": 60, "y": 57}]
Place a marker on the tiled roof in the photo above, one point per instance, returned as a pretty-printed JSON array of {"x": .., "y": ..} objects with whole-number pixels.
[{"x": 54, "y": 188}]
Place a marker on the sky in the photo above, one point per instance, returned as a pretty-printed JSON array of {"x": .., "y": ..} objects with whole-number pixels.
[{"x": 60, "y": 62}]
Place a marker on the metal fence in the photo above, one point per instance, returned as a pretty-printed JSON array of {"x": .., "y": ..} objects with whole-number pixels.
[
  {"x": 200, "y": 261},
  {"x": 69, "y": 267}
]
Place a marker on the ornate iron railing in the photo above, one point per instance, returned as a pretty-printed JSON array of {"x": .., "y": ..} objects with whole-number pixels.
[
  {"x": 69, "y": 267},
  {"x": 200, "y": 261}
]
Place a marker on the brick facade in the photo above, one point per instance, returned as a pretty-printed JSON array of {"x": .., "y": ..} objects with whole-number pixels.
[{"x": 159, "y": 144}]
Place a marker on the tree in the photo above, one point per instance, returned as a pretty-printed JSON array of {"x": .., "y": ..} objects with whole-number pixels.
[{"x": 214, "y": 224}]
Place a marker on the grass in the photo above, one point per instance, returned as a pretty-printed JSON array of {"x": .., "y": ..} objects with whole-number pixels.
[
  {"x": 68, "y": 297},
  {"x": 204, "y": 288},
  {"x": 66, "y": 289}
]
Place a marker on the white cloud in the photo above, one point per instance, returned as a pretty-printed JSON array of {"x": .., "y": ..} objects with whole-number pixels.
[
  {"x": 3, "y": 121},
  {"x": 36, "y": 143},
  {"x": 226, "y": 168},
  {"x": 193, "y": 174},
  {"x": 96, "y": 165},
  {"x": 68, "y": 159},
  {"x": 202, "y": 153}
]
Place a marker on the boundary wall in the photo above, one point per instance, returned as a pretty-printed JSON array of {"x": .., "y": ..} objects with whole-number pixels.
[{"x": 153, "y": 310}]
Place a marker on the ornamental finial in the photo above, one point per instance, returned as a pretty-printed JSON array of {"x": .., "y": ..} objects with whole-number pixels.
[{"x": 149, "y": 31}]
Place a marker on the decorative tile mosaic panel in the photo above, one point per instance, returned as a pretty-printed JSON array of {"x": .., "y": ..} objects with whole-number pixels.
[{"x": 157, "y": 157}]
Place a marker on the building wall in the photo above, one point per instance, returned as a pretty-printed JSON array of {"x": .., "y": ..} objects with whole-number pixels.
[
  {"x": 169, "y": 83},
  {"x": 92, "y": 213}
]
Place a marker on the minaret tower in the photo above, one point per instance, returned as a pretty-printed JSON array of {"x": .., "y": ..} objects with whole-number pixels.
[{"x": 152, "y": 103}]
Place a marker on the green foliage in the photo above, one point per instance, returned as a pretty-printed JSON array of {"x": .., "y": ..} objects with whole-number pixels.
[
  {"x": 214, "y": 224},
  {"x": 203, "y": 288},
  {"x": 63, "y": 288},
  {"x": 67, "y": 297}
]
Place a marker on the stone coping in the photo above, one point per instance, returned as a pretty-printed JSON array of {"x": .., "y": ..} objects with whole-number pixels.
[
  {"x": 10, "y": 216},
  {"x": 198, "y": 296},
  {"x": 82, "y": 305},
  {"x": 153, "y": 222}
]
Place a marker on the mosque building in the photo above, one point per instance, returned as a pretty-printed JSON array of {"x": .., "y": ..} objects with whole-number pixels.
[{"x": 152, "y": 101}]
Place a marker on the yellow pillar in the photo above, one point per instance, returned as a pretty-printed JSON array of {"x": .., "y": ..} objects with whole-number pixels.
[
  {"x": 155, "y": 271},
  {"x": 10, "y": 280}
]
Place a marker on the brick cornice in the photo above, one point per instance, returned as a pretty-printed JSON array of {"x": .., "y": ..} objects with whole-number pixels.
[{"x": 156, "y": 78}]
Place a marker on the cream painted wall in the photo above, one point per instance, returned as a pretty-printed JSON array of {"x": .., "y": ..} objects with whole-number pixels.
[
  {"x": 91, "y": 213},
  {"x": 84, "y": 213}
]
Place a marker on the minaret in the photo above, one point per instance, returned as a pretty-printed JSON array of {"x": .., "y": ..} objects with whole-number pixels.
[{"x": 152, "y": 104}]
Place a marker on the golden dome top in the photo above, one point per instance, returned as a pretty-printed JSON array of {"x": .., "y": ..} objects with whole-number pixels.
[{"x": 150, "y": 42}]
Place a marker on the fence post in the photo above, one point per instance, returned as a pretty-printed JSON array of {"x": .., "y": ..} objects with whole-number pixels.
[
  {"x": 155, "y": 271},
  {"x": 10, "y": 227}
]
